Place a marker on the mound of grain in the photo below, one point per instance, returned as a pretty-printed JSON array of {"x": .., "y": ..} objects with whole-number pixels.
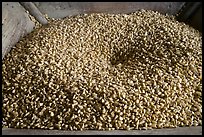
[{"x": 105, "y": 71}]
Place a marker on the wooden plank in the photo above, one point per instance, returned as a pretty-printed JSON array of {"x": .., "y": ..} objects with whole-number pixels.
[
  {"x": 63, "y": 9},
  {"x": 15, "y": 24},
  {"x": 165, "y": 131},
  {"x": 33, "y": 10}
]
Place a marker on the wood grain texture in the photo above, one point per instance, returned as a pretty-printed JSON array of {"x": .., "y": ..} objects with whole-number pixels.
[{"x": 15, "y": 24}]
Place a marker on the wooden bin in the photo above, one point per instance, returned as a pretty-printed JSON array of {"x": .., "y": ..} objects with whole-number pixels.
[{"x": 16, "y": 24}]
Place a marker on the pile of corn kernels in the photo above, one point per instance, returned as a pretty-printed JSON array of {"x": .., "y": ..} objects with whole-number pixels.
[{"x": 102, "y": 71}]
